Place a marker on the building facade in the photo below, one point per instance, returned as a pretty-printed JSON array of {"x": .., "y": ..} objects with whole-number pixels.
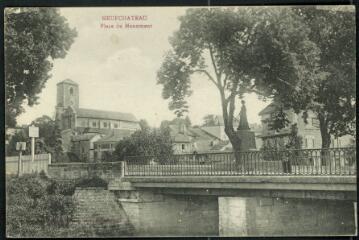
[
  {"x": 82, "y": 128},
  {"x": 309, "y": 131},
  {"x": 187, "y": 139},
  {"x": 71, "y": 116}
]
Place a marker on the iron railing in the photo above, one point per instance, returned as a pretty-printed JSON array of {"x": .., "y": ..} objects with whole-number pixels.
[{"x": 332, "y": 161}]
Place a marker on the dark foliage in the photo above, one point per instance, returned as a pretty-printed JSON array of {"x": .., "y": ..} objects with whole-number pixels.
[
  {"x": 32, "y": 209},
  {"x": 32, "y": 38},
  {"x": 94, "y": 181}
]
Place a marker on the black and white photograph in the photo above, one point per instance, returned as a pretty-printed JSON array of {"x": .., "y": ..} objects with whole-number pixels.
[{"x": 212, "y": 121}]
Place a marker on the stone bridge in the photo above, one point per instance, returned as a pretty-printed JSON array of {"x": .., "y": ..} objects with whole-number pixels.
[
  {"x": 239, "y": 205},
  {"x": 213, "y": 197}
]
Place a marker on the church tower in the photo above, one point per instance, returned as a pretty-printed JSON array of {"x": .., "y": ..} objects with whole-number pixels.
[{"x": 67, "y": 96}]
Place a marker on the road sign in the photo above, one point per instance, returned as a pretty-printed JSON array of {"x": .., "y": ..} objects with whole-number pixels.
[
  {"x": 33, "y": 132},
  {"x": 20, "y": 146}
]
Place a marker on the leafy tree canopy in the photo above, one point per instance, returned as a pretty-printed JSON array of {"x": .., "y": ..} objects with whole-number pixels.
[
  {"x": 49, "y": 140},
  {"x": 176, "y": 121},
  {"x": 146, "y": 142},
  {"x": 333, "y": 96},
  {"x": 32, "y": 38},
  {"x": 239, "y": 50}
]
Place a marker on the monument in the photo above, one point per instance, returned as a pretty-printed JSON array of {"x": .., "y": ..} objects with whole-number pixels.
[{"x": 244, "y": 132}]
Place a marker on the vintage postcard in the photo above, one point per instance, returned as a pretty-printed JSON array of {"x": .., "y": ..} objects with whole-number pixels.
[{"x": 180, "y": 121}]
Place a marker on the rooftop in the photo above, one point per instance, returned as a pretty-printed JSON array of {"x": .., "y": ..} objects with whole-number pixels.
[
  {"x": 268, "y": 109},
  {"x": 116, "y": 136},
  {"x": 214, "y": 131},
  {"x": 68, "y": 81},
  {"x": 91, "y": 113},
  {"x": 83, "y": 137}
]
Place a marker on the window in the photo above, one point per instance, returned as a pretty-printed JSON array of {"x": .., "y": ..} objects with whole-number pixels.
[
  {"x": 183, "y": 146},
  {"x": 105, "y": 124},
  {"x": 115, "y": 125},
  {"x": 93, "y": 124},
  {"x": 71, "y": 91},
  {"x": 306, "y": 143}
]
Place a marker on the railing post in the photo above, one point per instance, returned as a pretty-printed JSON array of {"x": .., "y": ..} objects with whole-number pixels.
[
  {"x": 123, "y": 166},
  {"x": 20, "y": 164}
]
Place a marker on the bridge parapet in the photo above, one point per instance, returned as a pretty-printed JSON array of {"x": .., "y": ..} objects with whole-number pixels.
[
  {"x": 333, "y": 161},
  {"x": 309, "y": 187},
  {"x": 71, "y": 171}
]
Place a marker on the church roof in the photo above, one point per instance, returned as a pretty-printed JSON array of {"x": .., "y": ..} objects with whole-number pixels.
[
  {"x": 90, "y": 113},
  {"x": 68, "y": 81}
]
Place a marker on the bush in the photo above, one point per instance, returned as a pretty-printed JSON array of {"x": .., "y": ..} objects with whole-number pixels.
[
  {"x": 32, "y": 207},
  {"x": 94, "y": 181},
  {"x": 66, "y": 188}
]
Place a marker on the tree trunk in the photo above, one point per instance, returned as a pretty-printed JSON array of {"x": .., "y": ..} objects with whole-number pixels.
[
  {"x": 323, "y": 125},
  {"x": 228, "y": 128}
]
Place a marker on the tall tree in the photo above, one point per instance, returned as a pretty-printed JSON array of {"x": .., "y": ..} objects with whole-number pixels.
[
  {"x": 32, "y": 38},
  {"x": 46, "y": 130},
  {"x": 238, "y": 50},
  {"x": 334, "y": 98}
]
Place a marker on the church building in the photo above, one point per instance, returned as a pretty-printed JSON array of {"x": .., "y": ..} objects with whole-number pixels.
[
  {"x": 75, "y": 121},
  {"x": 71, "y": 116}
]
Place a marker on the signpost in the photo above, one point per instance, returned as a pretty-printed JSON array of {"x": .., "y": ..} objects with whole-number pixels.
[
  {"x": 20, "y": 146},
  {"x": 33, "y": 133}
]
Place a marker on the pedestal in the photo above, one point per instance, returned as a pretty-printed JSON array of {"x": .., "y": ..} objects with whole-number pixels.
[{"x": 248, "y": 141}]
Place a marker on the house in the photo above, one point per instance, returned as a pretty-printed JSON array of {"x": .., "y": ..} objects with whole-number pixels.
[
  {"x": 309, "y": 131},
  {"x": 188, "y": 139},
  {"x": 218, "y": 132},
  {"x": 83, "y": 146},
  {"x": 107, "y": 144},
  {"x": 81, "y": 127}
]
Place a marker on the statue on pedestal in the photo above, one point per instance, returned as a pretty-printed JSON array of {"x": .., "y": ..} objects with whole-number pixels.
[
  {"x": 244, "y": 132},
  {"x": 243, "y": 122}
]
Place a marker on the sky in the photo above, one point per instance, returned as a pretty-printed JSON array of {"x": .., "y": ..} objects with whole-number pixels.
[{"x": 116, "y": 68}]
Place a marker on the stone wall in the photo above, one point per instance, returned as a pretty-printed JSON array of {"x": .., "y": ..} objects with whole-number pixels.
[
  {"x": 98, "y": 208},
  {"x": 285, "y": 217},
  {"x": 162, "y": 215},
  {"x": 70, "y": 171}
]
